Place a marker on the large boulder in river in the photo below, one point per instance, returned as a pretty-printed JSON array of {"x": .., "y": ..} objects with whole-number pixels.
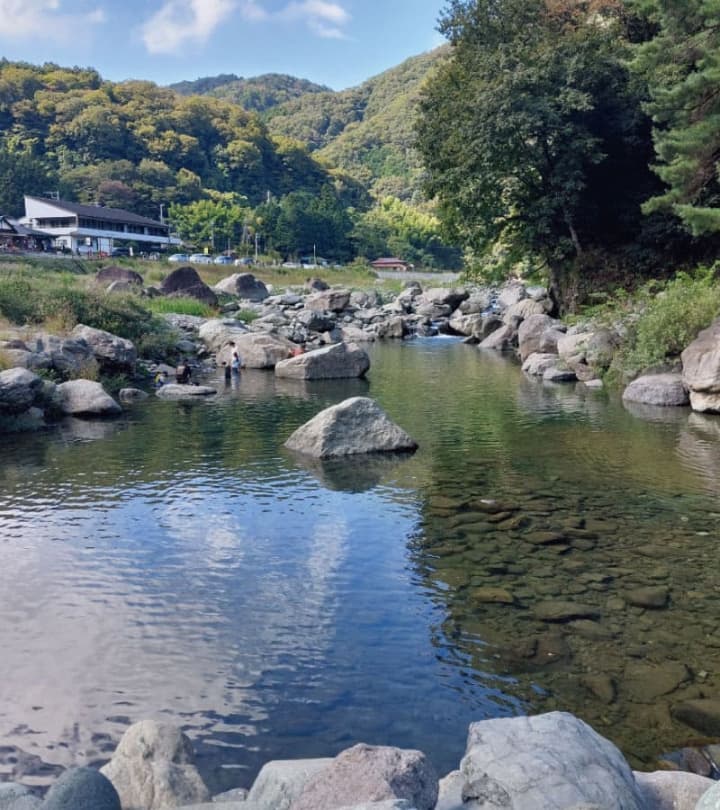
[
  {"x": 257, "y": 350},
  {"x": 701, "y": 369},
  {"x": 370, "y": 773},
  {"x": 19, "y": 389},
  {"x": 185, "y": 281},
  {"x": 546, "y": 762},
  {"x": 335, "y": 362},
  {"x": 153, "y": 768},
  {"x": 84, "y": 398},
  {"x": 112, "y": 352},
  {"x": 187, "y": 392},
  {"x": 657, "y": 389},
  {"x": 442, "y": 297},
  {"x": 113, "y": 273},
  {"x": 69, "y": 356},
  {"x": 357, "y": 425},
  {"x": 243, "y": 285}
]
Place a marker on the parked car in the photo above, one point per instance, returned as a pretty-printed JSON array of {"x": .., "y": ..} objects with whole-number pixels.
[
  {"x": 200, "y": 258},
  {"x": 120, "y": 251},
  {"x": 223, "y": 260},
  {"x": 244, "y": 262},
  {"x": 179, "y": 257}
]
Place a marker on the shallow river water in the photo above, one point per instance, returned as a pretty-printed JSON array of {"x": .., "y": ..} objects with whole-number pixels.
[{"x": 179, "y": 564}]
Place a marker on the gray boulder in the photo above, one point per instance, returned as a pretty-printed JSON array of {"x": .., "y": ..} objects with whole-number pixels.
[
  {"x": 450, "y": 792},
  {"x": 524, "y": 309},
  {"x": 501, "y": 339},
  {"x": 657, "y": 389},
  {"x": 531, "y": 332},
  {"x": 674, "y": 790},
  {"x": 216, "y": 333},
  {"x": 84, "y": 398},
  {"x": 17, "y": 797},
  {"x": 69, "y": 356},
  {"x": 538, "y": 363},
  {"x": 177, "y": 391},
  {"x": 393, "y": 328},
  {"x": 132, "y": 395},
  {"x": 19, "y": 390},
  {"x": 153, "y": 768},
  {"x": 257, "y": 350},
  {"x": 316, "y": 320},
  {"x": 549, "y": 762},
  {"x": 478, "y": 302},
  {"x": 701, "y": 361},
  {"x": 366, "y": 773},
  {"x": 316, "y": 285},
  {"x": 328, "y": 300},
  {"x": 124, "y": 275},
  {"x": 443, "y": 297},
  {"x": 280, "y": 782},
  {"x": 111, "y": 352},
  {"x": 243, "y": 285},
  {"x": 355, "y": 426},
  {"x": 83, "y": 789},
  {"x": 185, "y": 281},
  {"x": 466, "y": 324},
  {"x": 510, "y": 294},
  {"x": 339, "y": 361}
]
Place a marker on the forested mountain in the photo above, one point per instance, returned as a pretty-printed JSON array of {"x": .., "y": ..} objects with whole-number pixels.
[
  {"x": 257, "y": 94},
  {"x": 216, "y": 168},
  {"x": 366, "y": 131}
]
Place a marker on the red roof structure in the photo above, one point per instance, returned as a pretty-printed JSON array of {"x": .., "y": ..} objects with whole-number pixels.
[{"x": 391, "y": 264}]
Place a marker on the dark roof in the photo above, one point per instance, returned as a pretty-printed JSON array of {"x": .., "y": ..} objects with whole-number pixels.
[
  {"x": 22, "y": 230},
  {"x": 100, "y": 212},
  {"x": 389, "y": 261}
]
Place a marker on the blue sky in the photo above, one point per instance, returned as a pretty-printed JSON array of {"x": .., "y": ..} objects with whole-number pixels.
[{"x": 335, "y": 42}]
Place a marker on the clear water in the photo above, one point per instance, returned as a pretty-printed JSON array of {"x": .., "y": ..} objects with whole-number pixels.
[{"x": 179, "y": 564}]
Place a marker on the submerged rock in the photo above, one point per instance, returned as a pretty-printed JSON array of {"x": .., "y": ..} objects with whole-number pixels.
[
  {"x": 355, "y": 426},
  {"x": 176, "y": 391}
]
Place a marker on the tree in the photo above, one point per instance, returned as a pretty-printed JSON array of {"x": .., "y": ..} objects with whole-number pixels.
[
  {"x": 210, "y": 223},
  {"x": 532, "y": 133},
  {"x": 21, "y": 174},
  {"x": 681, "y": 65}
]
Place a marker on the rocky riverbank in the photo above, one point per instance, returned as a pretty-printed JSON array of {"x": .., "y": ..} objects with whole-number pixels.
[
  {"x": 318, "y": 333},
  {"x": 549, "y": 762}
]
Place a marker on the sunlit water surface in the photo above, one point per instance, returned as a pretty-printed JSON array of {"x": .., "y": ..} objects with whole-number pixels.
[{"x": 179, "y": 564}]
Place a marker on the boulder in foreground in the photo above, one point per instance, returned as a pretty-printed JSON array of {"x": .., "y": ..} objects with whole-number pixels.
[
  {"x": 357, "y": 425},
  {"x": 153, "y": 768},
  {"x": 546, "y": 762},
  {"x": 85, "y": 398},
  {"x": 370, "y": 773},
  {"x": 336, "y": 362},
  {"x": 666, "y": 390},
  {"x": 80, "y": 788}
]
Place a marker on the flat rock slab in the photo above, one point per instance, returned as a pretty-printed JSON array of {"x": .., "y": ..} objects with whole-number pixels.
[
  {"x": 175, "y": 391},
  {"x": 356, "y": 426},
  {"x": 556, "y": 611},
  {"x": 702, "y": 714},
  {"x": 550, "y": 762},
  {"x": 651, "y": 598}
]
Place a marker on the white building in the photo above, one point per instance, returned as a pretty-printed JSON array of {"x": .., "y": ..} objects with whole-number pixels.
[{"x": 94, "y": 228}]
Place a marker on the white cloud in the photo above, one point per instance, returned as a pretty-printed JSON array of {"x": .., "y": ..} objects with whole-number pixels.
[
  {"x": 21, "y": 19},
  {"x": 178, "y": 22},
  {"x": 323, "y": 18}
]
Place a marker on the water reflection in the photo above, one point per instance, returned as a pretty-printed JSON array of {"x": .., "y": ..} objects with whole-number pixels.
[
  {"x": 352, "y": 474},
  {"x": 178, "y": 563}
]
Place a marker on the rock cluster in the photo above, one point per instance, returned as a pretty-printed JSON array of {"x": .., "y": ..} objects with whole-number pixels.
[{"x": 549, "y": 762}]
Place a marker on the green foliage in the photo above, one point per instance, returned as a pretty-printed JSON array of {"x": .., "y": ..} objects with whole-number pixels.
[
  {"x": 179, "y": 306},
  {"x": 681, "y": 65},
  {"x": 211, "y": 223},
  {"x": 532, "y": 132},
  {"x": 246, "y": 315},
  {"x": 672, "y": 317}
]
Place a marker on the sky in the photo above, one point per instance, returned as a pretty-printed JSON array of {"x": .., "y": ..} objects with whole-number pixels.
[{"x": 339, "y": 43}]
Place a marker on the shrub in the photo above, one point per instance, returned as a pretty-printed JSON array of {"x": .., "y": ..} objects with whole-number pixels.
[{"x": 246, "y": 315}]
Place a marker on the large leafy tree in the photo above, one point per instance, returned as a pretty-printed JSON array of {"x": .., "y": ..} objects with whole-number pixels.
[
  {"x": 532, "y": 134},
  {"x": 681, "y": 65}
]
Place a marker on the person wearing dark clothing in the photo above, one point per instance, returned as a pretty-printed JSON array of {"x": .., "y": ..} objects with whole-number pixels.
[{"x": 183, "y": 374}]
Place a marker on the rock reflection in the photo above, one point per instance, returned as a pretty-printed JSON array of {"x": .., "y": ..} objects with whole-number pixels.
[{"x": 354, "y": 473}]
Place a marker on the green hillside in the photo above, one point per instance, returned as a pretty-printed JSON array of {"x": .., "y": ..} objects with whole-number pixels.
[
  {"x": 366, "y": 131},
  {"x": 256, "y": 94}
]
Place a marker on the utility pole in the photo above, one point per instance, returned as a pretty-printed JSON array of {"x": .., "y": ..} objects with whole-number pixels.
[
  {"x": 256, "y": 246},
  {"x": 162, "y": 218}
]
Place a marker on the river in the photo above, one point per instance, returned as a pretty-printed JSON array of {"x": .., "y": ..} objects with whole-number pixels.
[{"x": 179, "y": 564}]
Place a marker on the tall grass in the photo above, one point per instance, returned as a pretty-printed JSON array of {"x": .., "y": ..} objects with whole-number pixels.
[{"x": 179, "y": 306}]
